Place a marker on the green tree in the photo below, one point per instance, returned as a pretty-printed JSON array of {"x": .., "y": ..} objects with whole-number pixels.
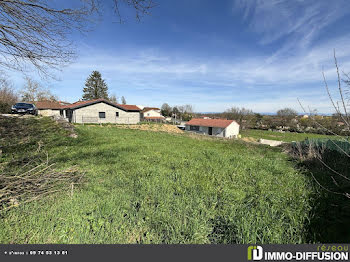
[
  {"x": 95, "y": 87},
  {"x": 176, "y": 111},
  {"x": 166, "y": 110}
]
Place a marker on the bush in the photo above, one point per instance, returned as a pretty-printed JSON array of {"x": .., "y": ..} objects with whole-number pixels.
[{"x": 7, "y": 97}]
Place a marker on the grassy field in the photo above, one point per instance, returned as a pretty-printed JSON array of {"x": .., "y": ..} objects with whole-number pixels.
[
  {"x": 286, "y": 137},
  {"x": 153, "y": 187}
]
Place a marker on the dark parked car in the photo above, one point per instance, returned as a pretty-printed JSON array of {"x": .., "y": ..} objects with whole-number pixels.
[{"x": 24, "y": 108}]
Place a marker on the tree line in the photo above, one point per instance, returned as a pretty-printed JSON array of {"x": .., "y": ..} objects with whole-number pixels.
[
  {"x": 285, "y": 119},
  {"x": 180, "y": 112}
]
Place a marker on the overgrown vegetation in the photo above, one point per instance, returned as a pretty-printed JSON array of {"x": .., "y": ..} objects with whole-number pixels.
[
  {"x": 26, "y": 170},
  {"x": 153, "y": 187},
  {"x": 327, "y": 162},
  {"x": 8, "y": 96}
]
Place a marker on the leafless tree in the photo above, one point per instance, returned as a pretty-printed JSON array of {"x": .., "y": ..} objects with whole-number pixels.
[
  {"x": 346, "y": 81},
  {"x": 33, "y": 91},
  {"x": 184, "y": 112},
  {"x": 188, "y": 108},
  {"x": 35, "y": 32},
  {"x": 342, "y": 109},
  {"x": 8, "y": 96},
  {"x": 113, "y": 98},
  {"x": 123, "y": 100},
  {"x": 238, "y": 114},
  {"x": 340, "y": 104},
  {"x": 286, "y": 115}
]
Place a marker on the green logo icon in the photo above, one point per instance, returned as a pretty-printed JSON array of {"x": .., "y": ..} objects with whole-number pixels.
[{"x": 255, "y": 253}]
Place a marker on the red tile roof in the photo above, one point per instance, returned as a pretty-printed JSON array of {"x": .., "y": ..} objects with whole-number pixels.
[
  {"x": 223, "y": 123},
  {"x": 80, "y": 103},
  {"x": 145, "y": 109},
  {"x": 88, "y": 102},
  {"x": 130, "y": 107},
  {"x": 48, "y": 105}
]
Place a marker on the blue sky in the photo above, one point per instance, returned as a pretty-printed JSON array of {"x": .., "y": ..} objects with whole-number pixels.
[{"x": 262, "y": 55}]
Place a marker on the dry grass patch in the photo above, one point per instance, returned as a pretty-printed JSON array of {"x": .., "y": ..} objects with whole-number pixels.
[{"x": 154, "y": 127}]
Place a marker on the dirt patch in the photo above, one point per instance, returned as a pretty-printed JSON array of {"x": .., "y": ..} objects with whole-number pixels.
[
  {"x": 270, "y": 142},
  {"x": 249, "y": 140},
  {"x": 154, "y": 127}
]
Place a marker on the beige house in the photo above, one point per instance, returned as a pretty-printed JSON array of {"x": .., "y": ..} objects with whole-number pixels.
[
  {"x": 101, "y": 111},
  {"x": 49, "y": 108},
  {"x": 214, "y": 127},
  {"x": 151, "y": 114}
]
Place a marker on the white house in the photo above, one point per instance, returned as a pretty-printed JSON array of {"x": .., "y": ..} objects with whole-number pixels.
[
  {"x": 213, "y": 127},
  {"x": 151, "y": 114},
  {"x": 101, "y": 111}
]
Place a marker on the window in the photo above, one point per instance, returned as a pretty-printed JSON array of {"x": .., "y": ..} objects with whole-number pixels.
[
  {"x": 117, "y": 114},
  {"x": 194, "y": 128},
  {"x": 102, "y": 114}
]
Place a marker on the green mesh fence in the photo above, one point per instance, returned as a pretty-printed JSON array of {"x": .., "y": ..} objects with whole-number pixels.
[{"x": 328, "y": 144}]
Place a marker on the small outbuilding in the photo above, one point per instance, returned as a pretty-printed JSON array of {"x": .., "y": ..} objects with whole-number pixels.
[{"x": 213, "y": 127}]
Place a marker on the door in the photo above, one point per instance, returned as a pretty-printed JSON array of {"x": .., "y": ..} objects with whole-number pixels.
[
  {"x": 210, "y": 131},
  {"x": 69, "y": 114}
]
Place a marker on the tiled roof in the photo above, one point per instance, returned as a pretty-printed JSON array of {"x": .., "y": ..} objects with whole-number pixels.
[
  {"x": 130, "y": 107},
  {"x": 81, "y": 103},
  {"x": 48, "y": 105},
  {"x": 94, "y": 101},
  {"x": 223, "y": 123},
  {"x": 145, "y": 109}
]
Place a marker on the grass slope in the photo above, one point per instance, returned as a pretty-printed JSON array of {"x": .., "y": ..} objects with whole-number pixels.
[{"x": 149, "y": 187}]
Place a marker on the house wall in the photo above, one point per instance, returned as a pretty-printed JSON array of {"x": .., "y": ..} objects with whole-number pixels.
[
  {"x": 202, "y": 130},
  {"x": 49, "y": 112},
  {"x": 90, "y": 114},
  {"x": 152, "y": 113},
  {"x": 231, "y": 131}
]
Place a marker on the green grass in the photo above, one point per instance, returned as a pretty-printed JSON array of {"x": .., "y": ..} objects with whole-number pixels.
[
  {"x": 149, "y": 187},
  {"x": 286, "y": 137}
]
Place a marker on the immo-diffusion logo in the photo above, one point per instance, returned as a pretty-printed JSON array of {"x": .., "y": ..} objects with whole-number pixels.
[{"x": 332, "y": 253}]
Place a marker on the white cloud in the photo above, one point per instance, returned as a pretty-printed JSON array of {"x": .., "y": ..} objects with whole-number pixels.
[
  {"x": 303, "y": 67},
  {"x": 261, "y": 83},
  {"x": 303, "y": 20}
]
